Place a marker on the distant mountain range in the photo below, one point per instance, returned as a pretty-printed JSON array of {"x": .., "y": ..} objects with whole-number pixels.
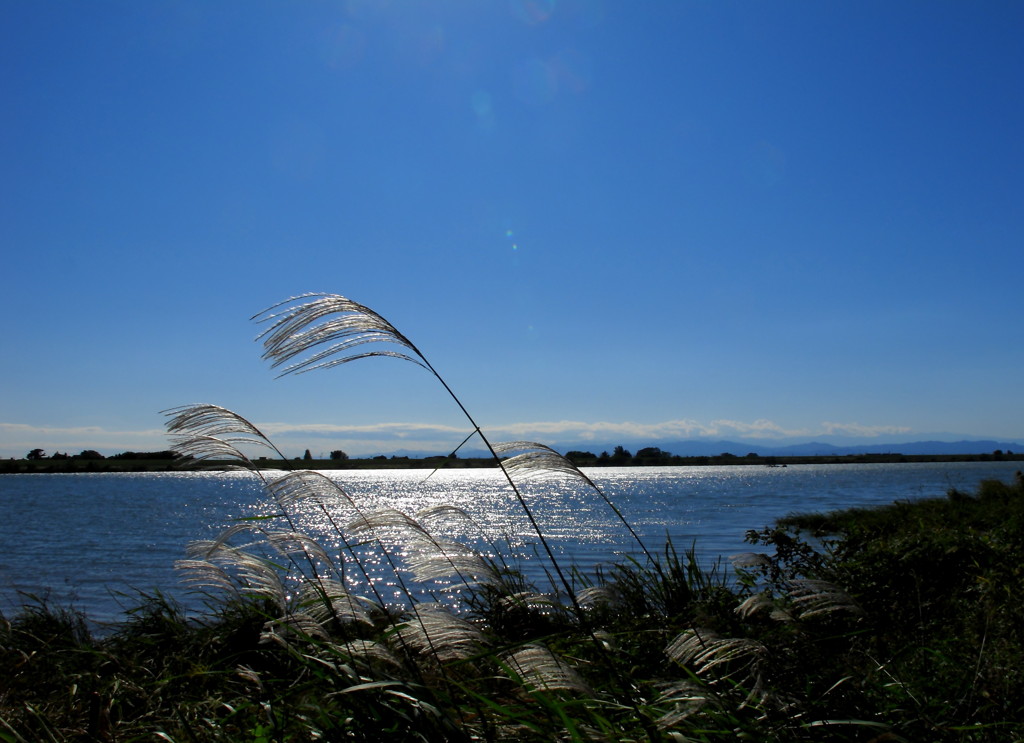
[
  {"x": 830, "y": 446},
  {"x": 822, "y": 448}
]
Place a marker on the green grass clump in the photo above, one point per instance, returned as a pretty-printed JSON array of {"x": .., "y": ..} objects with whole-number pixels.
[
  {"x": 940, "y": 650},
  {"x": 893, "y": 624}
]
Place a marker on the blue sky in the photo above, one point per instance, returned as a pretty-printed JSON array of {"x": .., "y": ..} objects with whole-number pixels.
[{"x": 600, "y": 221}]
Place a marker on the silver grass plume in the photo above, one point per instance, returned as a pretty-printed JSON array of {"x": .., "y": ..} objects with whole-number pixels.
[
  {"x": 538, "y": 460},
  {"x": 704, "y": 650},
  {"x": 203, "y": 432},
  {"x": 211, "y": 562},
  {"x": 812, "y": 598},
  {"x": 451, "y": 516},
  {"x": 294, "y": 543},
  {"x": 386, "y": 521},
  {"x": 530, "y": 601},
  {"x": 320, "y": 595},
  {"x": 435, "y": 631},
  {"x": 331, "y": 600},
  {"x": 206, "y": 548},
  {"x": 366, "y": 651},
  {"x": 745, "y": 560},
  {"x": 760, "y": 603},
  {"x": 433, "y": 559},
  {"x": 253, "y": 677},
  {"x": 685, "y": 699},
  {"x": 537, "y": 667},
  {"x": 447, "y": 514},
  {"x": 299, "y": 486},
  {"x": 595, "y": 596},
  {"x": 295, "y": 625},
  {"x": 202, "y": 573},
  {"x": 429, "y": 558},
  {"x": 315, "y": 487},
  {"x": 718, "y": 659},
  {"x": 301, "y": 324},
  {"x": 317, "y": 646}
]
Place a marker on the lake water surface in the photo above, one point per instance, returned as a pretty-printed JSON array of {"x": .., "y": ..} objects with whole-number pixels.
[{"x": 86, "y": 539}]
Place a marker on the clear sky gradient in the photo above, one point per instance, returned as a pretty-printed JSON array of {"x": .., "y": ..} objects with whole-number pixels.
[{"x": 599, "y": 220}]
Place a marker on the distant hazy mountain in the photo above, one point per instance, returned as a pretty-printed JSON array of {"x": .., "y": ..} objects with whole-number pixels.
[
  {"x": 825, "y": 446},
  {"x": 697, "y": 447}
]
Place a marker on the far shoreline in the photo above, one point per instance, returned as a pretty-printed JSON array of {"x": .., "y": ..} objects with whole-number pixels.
[{"x": 141, "y": 463}]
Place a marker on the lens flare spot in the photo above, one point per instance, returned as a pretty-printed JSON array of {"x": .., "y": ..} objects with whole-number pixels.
[
  {"x": 533, "y": 12},
  {"x": 482, "y": 108},
  {"x": 342, "y": 48},
  {"x": 481, "y": 103},
  {"x": 534, "y": 81}
]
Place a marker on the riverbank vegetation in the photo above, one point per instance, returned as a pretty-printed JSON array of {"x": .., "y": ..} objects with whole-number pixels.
[{"x": 337, "y": 618}]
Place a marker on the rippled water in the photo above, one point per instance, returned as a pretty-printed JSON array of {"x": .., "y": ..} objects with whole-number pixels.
[{"x": 89, "y": 538}]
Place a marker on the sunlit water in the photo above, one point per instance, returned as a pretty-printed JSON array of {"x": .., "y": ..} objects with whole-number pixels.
[{"x": 96, "y": 540}]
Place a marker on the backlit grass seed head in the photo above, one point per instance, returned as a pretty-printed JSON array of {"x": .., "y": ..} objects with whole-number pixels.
[
  {"x": 434, "y": 630},
  {"x": 761, "y": 603},
  {"x": 293, "y": 488},
  {"x": 327, "y": 599},
  {"x": 812, "y": 598},
  {"x": 437, "y": 559},
  {"x": 536, "y": 666},
  {"x": 705, "y": 652},
  {"x": 682, "y": 699},
  {"x": 203, "y": 432},
  {"x": 319, "y": 331}
]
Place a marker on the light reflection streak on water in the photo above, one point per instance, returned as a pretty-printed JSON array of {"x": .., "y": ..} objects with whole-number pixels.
[{"x": 579, "y": 526}]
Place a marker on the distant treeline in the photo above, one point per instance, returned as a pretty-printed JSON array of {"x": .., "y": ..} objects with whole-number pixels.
[
  {"x": 164, "y": 461},
  {"x": 653, "y": 457}
]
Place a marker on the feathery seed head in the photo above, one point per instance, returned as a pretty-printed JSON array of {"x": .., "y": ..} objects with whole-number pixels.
[{"x": 300, "y": 325}]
